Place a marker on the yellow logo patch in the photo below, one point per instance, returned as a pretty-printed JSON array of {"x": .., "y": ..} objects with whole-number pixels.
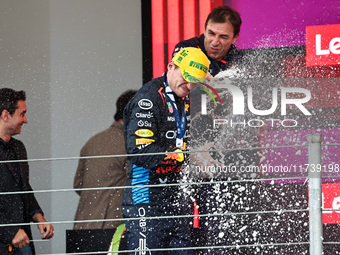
[
  {"x": 144, "y": 141},
  {"x": 144, "y": 133}
]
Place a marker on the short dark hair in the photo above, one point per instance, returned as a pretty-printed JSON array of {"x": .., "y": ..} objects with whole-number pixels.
[
  {"x": 9, "y": 99},
  {"x": 224, "y": 14},
  {"x": 122, "y": 101}
]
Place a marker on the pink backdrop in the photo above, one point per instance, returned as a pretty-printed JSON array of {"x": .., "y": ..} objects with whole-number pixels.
[{"x": 281, "y": 23}]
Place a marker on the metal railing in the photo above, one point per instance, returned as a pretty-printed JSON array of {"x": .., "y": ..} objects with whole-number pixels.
[{"x": 315, "y": 201}]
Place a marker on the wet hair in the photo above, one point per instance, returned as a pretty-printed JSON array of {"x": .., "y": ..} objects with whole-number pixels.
[
  {"x": 9, "y": 99},
  {"x": 122, "y": 101},
  {"x": 223, "y": 14}
]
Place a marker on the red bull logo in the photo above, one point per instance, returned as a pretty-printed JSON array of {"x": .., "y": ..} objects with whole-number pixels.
[{"x": 175, "y": 156}]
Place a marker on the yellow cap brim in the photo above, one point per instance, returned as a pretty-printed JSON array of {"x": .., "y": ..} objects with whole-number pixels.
[{"x": 192, "y": 77}]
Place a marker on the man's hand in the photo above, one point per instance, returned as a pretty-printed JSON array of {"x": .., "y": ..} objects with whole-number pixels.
[
  {"x": 209, "y": 76},
  {"x": 20, "y": 239},
  {"x": 46, "y": 229},
  {"x": 204, "y": 159}
]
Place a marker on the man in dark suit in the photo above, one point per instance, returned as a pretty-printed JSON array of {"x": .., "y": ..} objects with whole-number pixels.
[{"x": 16, "y": 208}]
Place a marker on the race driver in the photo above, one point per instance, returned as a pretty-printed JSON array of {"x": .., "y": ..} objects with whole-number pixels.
[{"x": 156, "y": 123}]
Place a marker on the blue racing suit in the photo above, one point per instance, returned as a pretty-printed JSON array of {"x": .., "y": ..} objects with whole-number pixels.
[
  {"x": 150, "y": 127},
  {"x": 209, "y": 230}
]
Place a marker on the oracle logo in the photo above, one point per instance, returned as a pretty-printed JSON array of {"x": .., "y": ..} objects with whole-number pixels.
[{"x": 323, "y": 45}]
